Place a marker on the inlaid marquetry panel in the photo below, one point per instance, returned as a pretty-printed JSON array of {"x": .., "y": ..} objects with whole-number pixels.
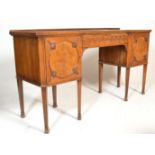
[
  {"x": 63, "y": 59},
  {"x": 140, "y": 49}
]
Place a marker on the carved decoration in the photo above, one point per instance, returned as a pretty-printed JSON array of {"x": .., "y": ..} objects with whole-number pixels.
[
  {"x": 53, "y": 74},
  {"x": 75, "y": 70},
  {"x": 74, "y": 45},
  {"x": 53, "y": 45}
]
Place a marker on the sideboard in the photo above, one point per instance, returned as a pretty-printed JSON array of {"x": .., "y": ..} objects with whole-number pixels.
[{"x": 48, "y": 57}]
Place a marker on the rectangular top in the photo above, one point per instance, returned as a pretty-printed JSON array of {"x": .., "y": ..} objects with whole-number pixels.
[{"x": 75, "y": 31}]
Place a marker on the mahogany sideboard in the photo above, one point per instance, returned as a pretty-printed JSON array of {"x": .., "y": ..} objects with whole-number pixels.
[{"x": 47, "y": 57}]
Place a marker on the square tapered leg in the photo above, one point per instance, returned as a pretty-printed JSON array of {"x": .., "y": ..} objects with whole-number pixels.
[
  {"x": 144, "y": 78},
  {"x": 127, "y": 76},
  {"x": 79, "y": 98},
  {"x": 45, "y": 108},
  {"x": 21, "y": 97},
  {"x": 100, "y": 76},
  {"x": 54, "y": 92},
  {"x": 118, "y": 76}
]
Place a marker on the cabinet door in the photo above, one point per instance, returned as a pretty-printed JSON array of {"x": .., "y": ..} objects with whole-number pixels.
[
  {"x": 140, "y": 42},
  {"x": 63, "y": 59}
]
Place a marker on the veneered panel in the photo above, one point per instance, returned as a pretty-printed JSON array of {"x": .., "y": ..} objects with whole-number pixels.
[
  {"x": 27, "y": 58},
  {"x": 63, "y": 59}
]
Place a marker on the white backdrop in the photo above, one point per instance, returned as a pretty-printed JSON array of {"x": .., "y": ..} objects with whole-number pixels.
[{"x": 30, "y": 14}]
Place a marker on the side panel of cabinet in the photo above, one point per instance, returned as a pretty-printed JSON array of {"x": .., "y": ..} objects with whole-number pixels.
[
  {"x": 27, "y": 59},
  {"x": 63, "y": 58}
]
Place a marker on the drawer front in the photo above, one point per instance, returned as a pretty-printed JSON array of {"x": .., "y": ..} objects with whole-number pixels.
[
  {"x": 105, "y": 40},
  {"x": 63, "y": 55},
  {"x": 139, "y": 48}
]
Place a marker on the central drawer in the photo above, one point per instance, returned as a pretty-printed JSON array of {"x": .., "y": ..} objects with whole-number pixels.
[
  {"x": 105, "y": 40},
  {"x": 63, "y": 56}
]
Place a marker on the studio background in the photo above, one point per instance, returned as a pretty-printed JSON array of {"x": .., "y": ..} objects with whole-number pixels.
[{"x": 109, "y": 124}]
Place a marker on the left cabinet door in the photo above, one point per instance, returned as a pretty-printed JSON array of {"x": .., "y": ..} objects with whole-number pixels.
[{"x": 63, "y": 56}]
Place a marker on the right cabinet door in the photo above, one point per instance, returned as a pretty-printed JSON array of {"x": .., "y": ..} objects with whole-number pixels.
[
  {"x": 140, "y": 43},
  {"x": 63, "y": 56}
]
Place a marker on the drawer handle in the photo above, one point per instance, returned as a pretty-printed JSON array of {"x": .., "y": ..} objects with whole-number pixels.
[
  {"x": 53, "y": 45},
  {"x": 74, "y": 45}
]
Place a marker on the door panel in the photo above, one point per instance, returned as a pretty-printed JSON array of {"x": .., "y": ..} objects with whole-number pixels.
[
  {"x": 140, "y": 49},
  {"x": 63, "y": 59}
]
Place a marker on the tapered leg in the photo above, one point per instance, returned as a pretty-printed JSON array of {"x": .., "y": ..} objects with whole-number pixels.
[
  {"x": 21, "y": 98},
  {"x": 127, "y": 83},
  {"x": 45, "y": 108},
  {"x": 118, "y": 76},
  {"x": 54, "y": 91},
  {"x": 100, "y": 76},
  {"x": 79, "y": 98},
  {"x": 144, "y": 78}
]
